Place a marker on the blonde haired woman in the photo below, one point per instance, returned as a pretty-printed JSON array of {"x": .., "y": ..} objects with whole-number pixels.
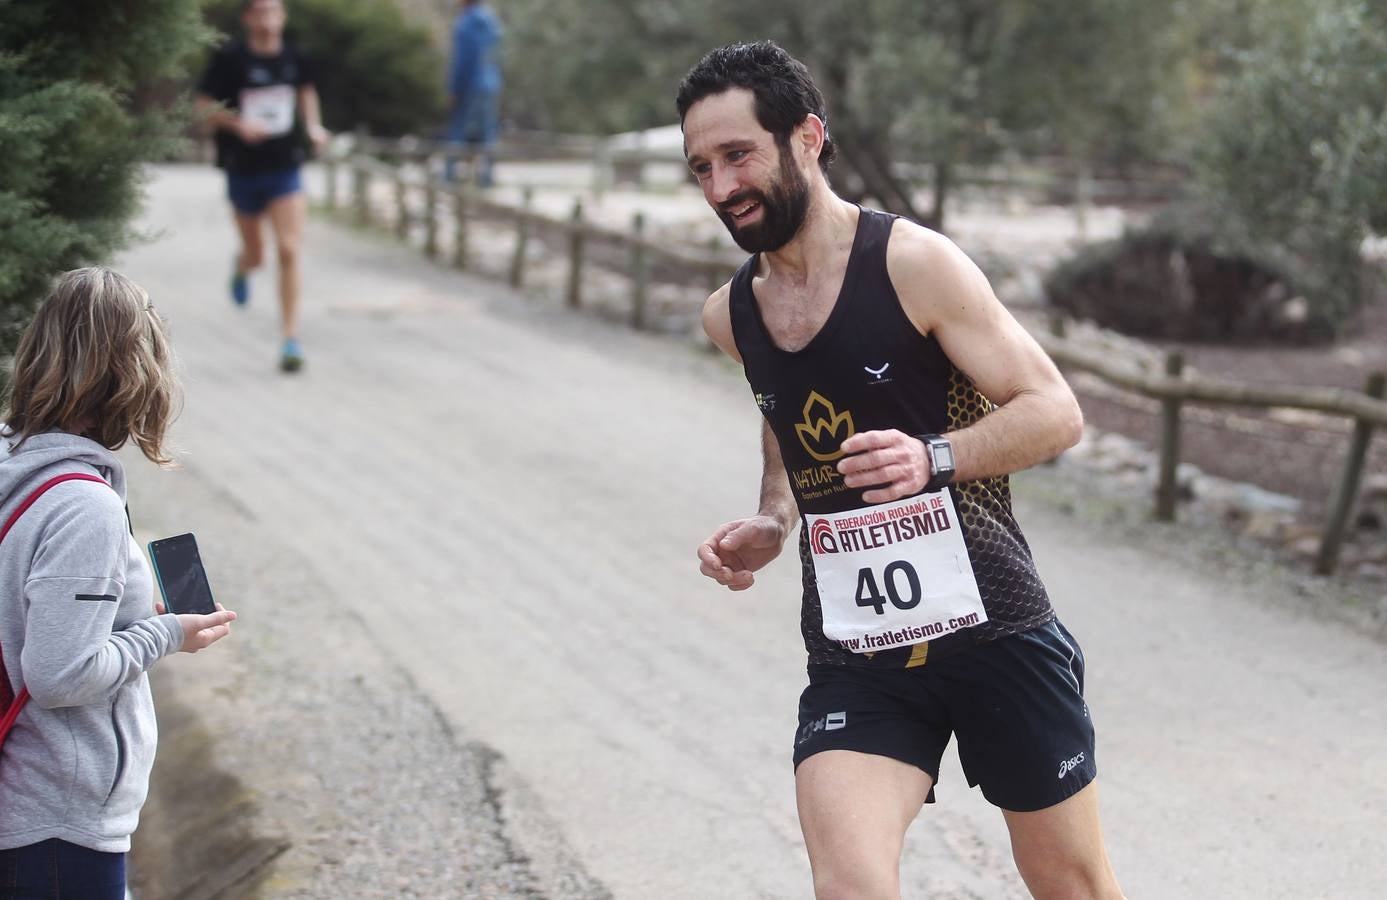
[{"x": 78, "y": 628}]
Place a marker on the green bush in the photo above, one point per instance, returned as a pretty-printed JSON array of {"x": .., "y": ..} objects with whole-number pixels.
[
  {"x": 70, "y": 148},
  {"x": 372, "y": 66},
  {"x": 1293, "y": 159},
  {"x": 1177, "y": 280}
]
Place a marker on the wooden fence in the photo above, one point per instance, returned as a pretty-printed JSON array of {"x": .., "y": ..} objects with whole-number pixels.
[
  {"x": 1367, "y": 410},
  {"x": 419, "y": 195}
]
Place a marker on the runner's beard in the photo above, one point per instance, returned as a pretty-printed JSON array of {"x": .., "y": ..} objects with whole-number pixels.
[{"x": 782, "y": 212}]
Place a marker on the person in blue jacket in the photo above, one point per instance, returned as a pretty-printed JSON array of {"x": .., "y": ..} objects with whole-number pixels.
[{"x": 474, "y": 86}]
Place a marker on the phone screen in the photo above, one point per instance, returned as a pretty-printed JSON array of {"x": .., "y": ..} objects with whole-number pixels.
[{"x": 182, "y": 580}]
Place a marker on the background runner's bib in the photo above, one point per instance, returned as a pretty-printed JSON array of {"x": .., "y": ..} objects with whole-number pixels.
[
  {"x": 272, "y": 108},
  {"x": 893, "y": 574}
]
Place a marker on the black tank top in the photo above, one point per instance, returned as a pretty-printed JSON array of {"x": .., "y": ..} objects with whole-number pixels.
[{"x": 869, "y": 368}]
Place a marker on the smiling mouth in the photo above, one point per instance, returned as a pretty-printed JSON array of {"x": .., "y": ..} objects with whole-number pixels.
[{"x": 738, "y": 213}]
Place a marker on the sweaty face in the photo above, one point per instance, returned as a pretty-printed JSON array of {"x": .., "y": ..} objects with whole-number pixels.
[{"x": 775, "y": 213}]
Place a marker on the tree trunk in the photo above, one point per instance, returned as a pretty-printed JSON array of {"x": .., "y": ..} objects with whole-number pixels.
[
  {"x": 860, "y": 149},
  {"x": 943, "y": 178},
  {"x": 868, "y": 159}
]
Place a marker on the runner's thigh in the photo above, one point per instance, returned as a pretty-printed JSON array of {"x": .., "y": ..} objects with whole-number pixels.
[
  {"x": 287, "y": 214},
  {"x": 854, "y": 809},
  {"x": 867, "y": 753}
]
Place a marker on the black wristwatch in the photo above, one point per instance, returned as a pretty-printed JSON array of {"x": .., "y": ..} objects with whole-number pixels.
[{"x": 940, "y": 453}]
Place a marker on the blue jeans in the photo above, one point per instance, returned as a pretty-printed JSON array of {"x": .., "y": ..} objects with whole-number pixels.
[
  {"x": 55, "y": 869},
  {"x": 474, "y": 123}
]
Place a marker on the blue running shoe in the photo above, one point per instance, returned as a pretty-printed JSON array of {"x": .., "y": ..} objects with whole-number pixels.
[
  {"x": 291, "y": 357},
  {"x": 240, "y": 288}
]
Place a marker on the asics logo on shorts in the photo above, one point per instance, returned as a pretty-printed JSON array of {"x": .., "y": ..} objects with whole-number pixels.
[{"x": 1071, "y": 764}]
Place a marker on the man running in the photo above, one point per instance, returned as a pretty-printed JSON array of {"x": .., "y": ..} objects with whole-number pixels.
[
  {"x": 257, "y": 93},
  {"x": 897, "y": 395}
]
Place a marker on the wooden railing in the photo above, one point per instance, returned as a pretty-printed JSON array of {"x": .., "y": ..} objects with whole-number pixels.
[
  {"x": 419, "y": 195},
  {"x": 1367, "y": 410}
]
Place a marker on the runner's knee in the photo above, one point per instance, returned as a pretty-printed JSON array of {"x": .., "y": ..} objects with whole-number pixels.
[
  {"x": 1061, "y": 878},
  {"x": 288, "y": 254},
  {"x": 854, "y": 883}
]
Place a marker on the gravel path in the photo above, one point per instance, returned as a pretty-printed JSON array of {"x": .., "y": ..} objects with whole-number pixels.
[{"x": 359, "y": 783}]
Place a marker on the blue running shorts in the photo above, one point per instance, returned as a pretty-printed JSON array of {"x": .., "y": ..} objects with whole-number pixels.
[{"x": 252, "y": 192}]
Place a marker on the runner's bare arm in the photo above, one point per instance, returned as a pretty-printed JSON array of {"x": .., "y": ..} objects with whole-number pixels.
[
  {"x": 742, "y": 547},
  {"x": 777, "y": 501},
  {"x": 717, "y": 321},
  {"x": 944, "y": 293},
  {"x": 312, "y": 116},
  {"x": 739, "y": 548},
  {"x": 219, "y": 116},
  {"x": 215, "y": 114}
]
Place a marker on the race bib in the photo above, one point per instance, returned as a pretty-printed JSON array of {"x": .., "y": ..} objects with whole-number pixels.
[
  {"x": 272, "y": 108},
  {"x": 894, "y": 574}
]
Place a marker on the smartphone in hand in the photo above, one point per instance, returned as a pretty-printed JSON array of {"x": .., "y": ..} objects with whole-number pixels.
[{"x": 182, "y": 580}]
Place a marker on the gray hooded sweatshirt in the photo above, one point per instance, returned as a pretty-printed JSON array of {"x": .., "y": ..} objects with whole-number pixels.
[{"x": 78, "y": 629}]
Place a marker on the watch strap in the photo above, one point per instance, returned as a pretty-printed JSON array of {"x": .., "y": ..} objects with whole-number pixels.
[{"x": 940, "y": 476}]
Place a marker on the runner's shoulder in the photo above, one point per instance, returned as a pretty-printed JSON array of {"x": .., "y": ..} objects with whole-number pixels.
[
  {"x": 928, "y": 268},
  {"x": 717, "y": 301},
  {"x": 717, "y": 320},
  {"x": 915, "y": 248}
]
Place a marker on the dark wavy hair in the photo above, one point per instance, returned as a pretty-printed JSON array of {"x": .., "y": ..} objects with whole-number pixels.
[{"x": 785, "y": 91}]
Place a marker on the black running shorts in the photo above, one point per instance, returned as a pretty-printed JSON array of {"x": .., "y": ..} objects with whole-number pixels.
[{"x": 1016, "y": 705}]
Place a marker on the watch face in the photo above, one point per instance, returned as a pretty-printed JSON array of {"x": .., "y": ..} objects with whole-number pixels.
[{"x": 943, "y": 456}]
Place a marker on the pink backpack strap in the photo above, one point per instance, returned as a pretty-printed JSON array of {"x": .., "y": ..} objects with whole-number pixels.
[{"x": 10, "y": 705}]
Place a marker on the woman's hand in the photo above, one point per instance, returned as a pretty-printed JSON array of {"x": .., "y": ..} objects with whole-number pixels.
[{"x": 201, "y": 632}]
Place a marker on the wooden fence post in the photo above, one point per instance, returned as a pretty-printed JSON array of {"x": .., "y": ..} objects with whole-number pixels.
[
  {"x": 330, "y": 162},
  {"x": 451, "y": 157},
  {"x": 459, "y": 225},
  {"x": 522, "y": 239},
  {"x": 1336, "y": 522},
  {"x": 361, "y": 190},
  {"x": 401, "y": 204},
  {"x": 430, "y": 215},
  {"x": 601, "y": 168},
  {"x": 575, "y": 257},
  {"x": 1167, "y": 487},
  {"x": 640, "y": 272}
]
